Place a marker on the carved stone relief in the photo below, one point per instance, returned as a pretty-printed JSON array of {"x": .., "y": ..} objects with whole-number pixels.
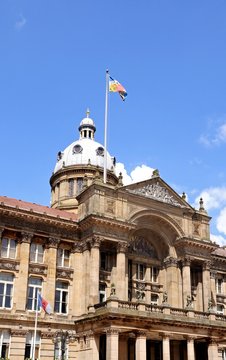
[
  {"x": 141, "y": 246},
  {"x": 157, "y": 192}
]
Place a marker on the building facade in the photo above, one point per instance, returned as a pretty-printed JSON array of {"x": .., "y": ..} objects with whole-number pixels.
[{"x": 129, "y": 271}]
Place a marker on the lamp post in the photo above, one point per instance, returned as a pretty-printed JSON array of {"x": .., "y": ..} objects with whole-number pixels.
[{"x": 62, "y": 338}]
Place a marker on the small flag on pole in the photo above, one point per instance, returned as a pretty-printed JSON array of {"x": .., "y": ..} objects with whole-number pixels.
[
  {"x": 115, "y": 86},
  {"x": 42, "y": 303}
]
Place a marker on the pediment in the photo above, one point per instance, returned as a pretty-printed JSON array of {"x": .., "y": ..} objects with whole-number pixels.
[{"x": 158, "y": 190}]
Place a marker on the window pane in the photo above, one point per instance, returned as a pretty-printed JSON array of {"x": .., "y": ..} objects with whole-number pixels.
[
  {"x": 1, "y": 289},
  {"x": 1, "y": 301},
  {"x": 8, "y": 301},
  {"x": 6, "y": 277}
]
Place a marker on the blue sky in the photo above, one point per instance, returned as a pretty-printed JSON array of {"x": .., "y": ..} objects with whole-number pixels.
[{"x": 169, "y": 55}]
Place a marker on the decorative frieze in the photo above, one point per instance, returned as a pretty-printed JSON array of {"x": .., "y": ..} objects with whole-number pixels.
[
  {"x": 9, "y": 264},
  {"x": 39, "y": 269},
  {"x": 19, "y": 333},
  {"x": 157, "y": 192},
  {"x": 76, "y": 248},
  {"x": 64, "y": 273},
  {"x": 47, "y": 335}
]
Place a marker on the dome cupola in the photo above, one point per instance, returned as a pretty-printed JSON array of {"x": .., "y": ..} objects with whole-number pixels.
[{"x": 82, "y": 159}]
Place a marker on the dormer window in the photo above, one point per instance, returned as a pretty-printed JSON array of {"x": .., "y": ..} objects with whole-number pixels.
[
  {"x": 77, "y": 149},
  {"x": 59, "y": 155},
  {"x": 100, "y": 151}
]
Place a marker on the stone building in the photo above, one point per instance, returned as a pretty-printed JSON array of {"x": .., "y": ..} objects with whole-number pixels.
[{"x": 130, "y": 269}]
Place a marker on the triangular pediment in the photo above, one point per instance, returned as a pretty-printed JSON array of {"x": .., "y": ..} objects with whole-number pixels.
[{"x": 156, "y": 189}]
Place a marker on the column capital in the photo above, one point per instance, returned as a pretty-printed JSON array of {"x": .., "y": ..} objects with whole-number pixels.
[
  {"x": 190, "y": 337},
  {"x": 213, "y": 274},
  {"x": 122, "y": 247},
  {"x": 206, "y": 265},
  {"x": 112, "y": 331},
  {"x": 26, "y": 237},
  {"x": 186, "y": 261},
  {"x": 19, "y": 333},
  {"x": 95, "y": 241},
  {"x": 76, "y": 248},
  {"x": 141, "y": 334},
  {"x": 53, "y": 242},
  {"x": 170, "y": 262}
]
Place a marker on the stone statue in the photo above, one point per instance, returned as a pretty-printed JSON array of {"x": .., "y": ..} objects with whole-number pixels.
[
  {"x": 165, "y": 297},
  {"x": 189, "y": 301}
]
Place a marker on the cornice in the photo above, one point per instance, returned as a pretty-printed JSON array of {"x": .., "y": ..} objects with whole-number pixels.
[{"x": 91, "y": 220}]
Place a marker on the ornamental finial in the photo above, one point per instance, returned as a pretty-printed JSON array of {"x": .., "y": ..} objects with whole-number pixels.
[{"x": 87, "y": 113}]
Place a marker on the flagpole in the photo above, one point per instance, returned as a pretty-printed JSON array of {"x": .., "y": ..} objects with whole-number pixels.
[
  {"x": 105, "y": 127},
  {"x": 35, "y": 331}
]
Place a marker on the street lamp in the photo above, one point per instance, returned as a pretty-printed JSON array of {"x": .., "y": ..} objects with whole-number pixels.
[{"x": 62, "y": 338}]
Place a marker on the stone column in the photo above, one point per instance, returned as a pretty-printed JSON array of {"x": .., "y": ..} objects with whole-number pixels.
[
  {"x": 206, "y": 285},
  {"x": 172, "y": 280},
  {"x": 186, "y": 280},
  {"x": 165, "y": 347},
  {"x": 78, "y": 280},
  {"x": 213, "y": 288},
  {"x": 21, "y": 281},
  {"x": 94, "y": 345},
  {"x": 94, "y": 269},
  {"x": 112, "y": 344},
  {"x": 121, "y": 271},
  {"x": 51, "y": 260},
  {"x": 17, "y": 346},
  {"x": 212, "y": 350},
  {"x": 190, "y": 348},
  {"x": 141, "y": 346}
]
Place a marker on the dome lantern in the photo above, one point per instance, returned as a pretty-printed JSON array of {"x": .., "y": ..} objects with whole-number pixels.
[{"x": 87, "y": 127}]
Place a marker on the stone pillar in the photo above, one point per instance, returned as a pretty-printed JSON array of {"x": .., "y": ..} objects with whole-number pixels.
[
  {"x": 206, "y": 285},
  {"x": 121, "y": 271},
  {"x": 112, "y": 344},
  {"x": 94, "y": 345},
  {"x": 190, "y": 348},
  {"x": 51, "y": 260},
  {"x": 172, "y": 280},
  {"x": 47, "y": 346},
  {"x": 85, "y": 293},
  {"x": 21, "y": 280},
  {"x": 94, "y": 269},
  {"x": 213, "y": 288},
  {"x": 186, "y": 280},
  {"x": 165, "y": 347},
  {"x": 17, "y": 346},
  {"x": 141, "y": 346},
  {"x": 78, "y": 280},
  {"x": 212, "y": 350}
]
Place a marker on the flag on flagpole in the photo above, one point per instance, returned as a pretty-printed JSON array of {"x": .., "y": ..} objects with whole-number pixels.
[
  {"x": 115, "y": 86},
  {"x": 42, "y": 303}
]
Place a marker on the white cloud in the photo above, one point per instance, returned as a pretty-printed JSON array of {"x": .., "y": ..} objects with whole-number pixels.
[
  {"x": 217, "y": 138},
  {"x": 213, "y": 198},
  {"x": 140, "y": 173},
  {"x": 221, "y": 221},
  {"x": 220, "y": 240},
  {"x": 21, "y": 22}
]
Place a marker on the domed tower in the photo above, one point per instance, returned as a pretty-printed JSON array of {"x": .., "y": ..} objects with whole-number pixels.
[{"x": 78, "y": 166}]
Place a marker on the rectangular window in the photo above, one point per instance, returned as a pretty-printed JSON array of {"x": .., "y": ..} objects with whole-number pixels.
[
  {"x": 79, "y": 185},
  {"x": 71, "y": 187},
  {"x": 6, "y": 290},
  {"x": 30, "y": 346},
  {"x": 102, "y": 293},
  {"x": 36, "y": 252},
  {"x": 8, "y": 248},
  {"x": 219, "y": 285},
  {"x": 220, "y": 309},
  {"x": 63, "y": 257},
  {"x": 34, "y": 285},
  {"x": 4, "y": 344},
  {"x": 140, "y": 271},
  {"x": 154, "y": 299},
  {"x": 61, "y": 297},
  {"x": 154, "y": 274}
]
